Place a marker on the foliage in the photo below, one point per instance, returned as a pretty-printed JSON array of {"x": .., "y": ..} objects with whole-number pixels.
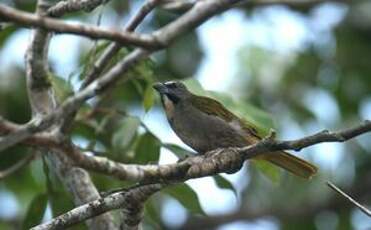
[{"x": 274, "y": 88}]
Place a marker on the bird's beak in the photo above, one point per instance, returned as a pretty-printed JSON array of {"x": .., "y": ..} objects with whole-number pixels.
[{"x": 161, "y": 88}]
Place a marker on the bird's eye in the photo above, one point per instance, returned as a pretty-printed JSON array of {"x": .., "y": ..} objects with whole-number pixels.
[{"x": 171, "y": 85}]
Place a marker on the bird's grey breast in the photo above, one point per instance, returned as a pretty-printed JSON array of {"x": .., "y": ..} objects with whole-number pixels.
[{"x": 204, "y": 132}]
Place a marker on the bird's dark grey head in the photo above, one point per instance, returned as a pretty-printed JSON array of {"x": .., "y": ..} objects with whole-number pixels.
[{"x": 173, "y": 90}]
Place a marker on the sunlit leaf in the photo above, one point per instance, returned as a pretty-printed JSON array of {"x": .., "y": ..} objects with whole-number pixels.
[
  {"x": 195, "y": 87},
  {"x": 35, "y": 211},
  {"x": 144, "y": 70},
  {"x": 152, "y": 213},
  {"x": 6, "y": 33},
  {"x": 148, "y": 98},
  {"x": 186, "y": 196},
  {"x": 223, "y": 183},
  {"x": 125, "y": 134},
  {"x": 61, "y": 87}
]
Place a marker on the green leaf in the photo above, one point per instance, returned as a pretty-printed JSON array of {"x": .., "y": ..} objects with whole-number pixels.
[
  {"x": 186, "y": 196},
  {"x": 6, "y": 33},
  {"x": 195, "y": 87},
  {"x": 125, "y": 134},
  {"x": 35, "y": 211},
  {"x": 152, "y": 212},
  {"x": 177, "y": 150},
  {"x": 148, "y": 98},
  {"x": 145, "y": 70},
  {"x": 268, "y": 170},
  {"x": 147, "y": 149},
  {"x": 223, "y": 183}
]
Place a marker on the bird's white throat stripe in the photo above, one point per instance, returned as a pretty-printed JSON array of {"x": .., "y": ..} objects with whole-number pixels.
[{"x": 169, "y": 106}]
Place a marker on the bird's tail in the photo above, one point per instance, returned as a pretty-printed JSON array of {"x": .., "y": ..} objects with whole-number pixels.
[{"x": 291, "y": 163}]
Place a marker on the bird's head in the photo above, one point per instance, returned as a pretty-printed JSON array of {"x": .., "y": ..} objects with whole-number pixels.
[{"x": 174, "y": 91}]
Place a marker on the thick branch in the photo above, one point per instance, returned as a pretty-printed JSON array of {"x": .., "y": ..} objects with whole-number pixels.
[
  {"x": 69, "y": 6},
  {"x": 129, "y": 200},
  {"x": 43, "y": 104},
  {"x": 217, "y": 161},
  {"x": 107, "y": 55},
  {"x": 197, "y": 15},
  {"x": 213, "y": 162},
  {"x": 182, "y": 5},
  {"x": 24, "y": 132},
  {"x": 124, "y": 38}
]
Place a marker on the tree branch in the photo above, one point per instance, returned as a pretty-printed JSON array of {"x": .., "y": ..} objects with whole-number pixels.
[
  {"x": 25, "y": 132},
  {"x": 202, "y": 11},
  {"x": 107, "y": 55},
  {"x": 346, "y": 196},
  {"x": 213, "y": 162},
  {"x": 43, "y": 104},
  {"x": 198, "y": 166},
  {"x": 131, "y": 200},
  {"x": 183, "y": 5},
  {"x": 69, "y": 6},
  {"x": 360, "y": 188},
  {"x": 124, "y": 38}
]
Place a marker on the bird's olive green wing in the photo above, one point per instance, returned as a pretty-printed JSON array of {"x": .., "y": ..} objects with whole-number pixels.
[{"x": 215, "y": 108}]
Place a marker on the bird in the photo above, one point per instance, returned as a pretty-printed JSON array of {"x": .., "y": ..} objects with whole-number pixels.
[{"x": 204, "y": 124}]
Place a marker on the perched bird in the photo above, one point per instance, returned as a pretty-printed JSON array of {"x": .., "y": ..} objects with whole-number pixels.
[{"x": 205, "y": 124}]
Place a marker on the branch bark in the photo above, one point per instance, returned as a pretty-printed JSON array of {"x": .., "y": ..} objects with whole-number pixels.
[
  {"x": 360, "y": 188},
  {"x": 43, "y": 102},
  {"x": 46, "y": 131},
  {"x": 202, "y": 11},
  {"x": 183, "y": 5},
  {"x": 69, "y": 6},
  {"x": 211, "y": 163},
  {"x": 95, "y": 32},
  {"x": 131, "y": 200}
]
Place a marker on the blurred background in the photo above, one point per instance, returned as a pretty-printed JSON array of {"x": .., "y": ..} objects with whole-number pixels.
[{"x": 297, "y": 68}]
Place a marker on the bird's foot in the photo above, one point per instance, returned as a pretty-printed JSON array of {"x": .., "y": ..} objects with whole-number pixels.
[
  {"x": 183, "y": 158},
  {"x": 214, "y": 153}
]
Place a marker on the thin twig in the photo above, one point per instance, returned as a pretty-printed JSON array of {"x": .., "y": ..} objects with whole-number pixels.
[
  {"x": 346, "y": 196},
  {"x": 44, "y": 104}
]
